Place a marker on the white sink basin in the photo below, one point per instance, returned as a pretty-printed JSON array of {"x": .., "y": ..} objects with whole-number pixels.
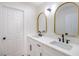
[{"x": 62, "y": 45}]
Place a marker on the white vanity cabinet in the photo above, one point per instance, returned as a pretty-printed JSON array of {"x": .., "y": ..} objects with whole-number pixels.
[
  {"x": 33, "y": 48},
  {"x": 36, "y": 48}
]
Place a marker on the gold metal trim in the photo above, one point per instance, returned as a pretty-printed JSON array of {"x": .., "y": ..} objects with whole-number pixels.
[
  {"x": 78, "y": 20},
  {"x": 56, "y": 12},
  {"x": 38, "y": 22}
]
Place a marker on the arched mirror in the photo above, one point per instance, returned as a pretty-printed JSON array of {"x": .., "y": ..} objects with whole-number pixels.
[
  {"x": 42, "y": 23},
  {"x": 66, "y": 19}
]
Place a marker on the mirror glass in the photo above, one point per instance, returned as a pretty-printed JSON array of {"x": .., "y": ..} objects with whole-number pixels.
[
  {"x": 42, "y": 23},
  {"x": 66, "y": 19}
]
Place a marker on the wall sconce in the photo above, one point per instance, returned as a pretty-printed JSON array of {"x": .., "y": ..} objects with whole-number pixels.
[{"x": 49, "y": 9}]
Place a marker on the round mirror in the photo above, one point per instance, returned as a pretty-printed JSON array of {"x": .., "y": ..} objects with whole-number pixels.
[
  {"x": 42, "y": 23},
  {"x": 66, "y": 19}
]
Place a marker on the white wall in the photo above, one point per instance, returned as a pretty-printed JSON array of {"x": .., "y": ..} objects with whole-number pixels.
[
  {"x": 29, "y": 15},
  {"x": 50, "y": 17}
]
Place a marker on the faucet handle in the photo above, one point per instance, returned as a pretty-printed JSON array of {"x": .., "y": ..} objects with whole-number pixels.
[
  {"x": 39, "y": 31},
  {"x": 62, "y": 35},
  {"x": 67, "y": 41},
  {"x": 59, "y": 39},
  {"x": 43, "y": 31},
  {"x": 66, "y": 33}
]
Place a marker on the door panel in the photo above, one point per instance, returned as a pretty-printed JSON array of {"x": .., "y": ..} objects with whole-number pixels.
[
  {"x": 3, "y": 22},
  {"x": 15, "y": 30},
  {"x": 1, "y": 30}
]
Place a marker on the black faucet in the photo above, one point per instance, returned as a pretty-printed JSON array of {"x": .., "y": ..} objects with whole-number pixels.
[
  {"x": 62, "y": 37},
  {"x": 39, "y": 33},
  {"x": 67, "y": 41}
]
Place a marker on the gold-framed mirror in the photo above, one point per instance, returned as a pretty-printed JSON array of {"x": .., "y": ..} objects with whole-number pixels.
[
  {"x": 42, "y": 22},
  {"x": 66, "y": 19}
]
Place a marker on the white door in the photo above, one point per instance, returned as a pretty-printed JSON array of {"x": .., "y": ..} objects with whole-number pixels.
[{"x": 13, "y": 44}]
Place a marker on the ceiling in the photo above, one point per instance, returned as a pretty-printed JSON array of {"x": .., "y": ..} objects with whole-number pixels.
[{"x": 37, "y": 4}]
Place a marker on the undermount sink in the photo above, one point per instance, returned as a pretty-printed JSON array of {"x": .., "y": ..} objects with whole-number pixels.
[{"x": 61, "y": 45}]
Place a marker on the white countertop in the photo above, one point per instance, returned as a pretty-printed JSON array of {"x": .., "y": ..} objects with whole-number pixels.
[{"x": 46, "y": 41}]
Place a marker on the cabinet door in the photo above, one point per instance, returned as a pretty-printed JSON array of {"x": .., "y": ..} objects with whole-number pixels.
[
  {"x": 31, "y": 48},
  {"x": 38, "y": 48},
  {"x": 13, "y": 44},
  {"x": 34, "y": 47},
  {"x": 48, "y": 51}
]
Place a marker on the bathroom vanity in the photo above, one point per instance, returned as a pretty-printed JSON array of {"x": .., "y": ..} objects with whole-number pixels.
[{"x": 41, "y": 46}]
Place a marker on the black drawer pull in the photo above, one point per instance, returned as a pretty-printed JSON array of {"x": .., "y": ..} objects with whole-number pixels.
[
  {"x": 30, "y": 47},
  {"x": 38, "y": 45}
]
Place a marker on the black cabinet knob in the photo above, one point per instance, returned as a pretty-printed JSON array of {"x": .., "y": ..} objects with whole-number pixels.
[{"x": 4, "y": 38}]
